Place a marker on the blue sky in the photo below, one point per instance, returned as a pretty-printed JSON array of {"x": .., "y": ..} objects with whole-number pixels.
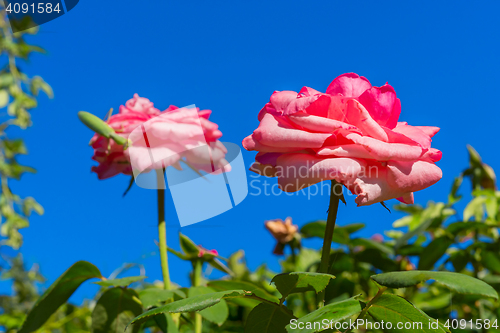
[{"x": 229, "y": 56}]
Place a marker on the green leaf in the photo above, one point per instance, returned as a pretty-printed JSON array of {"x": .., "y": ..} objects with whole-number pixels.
[
  {"x": 296, "y": 282},
  {"x": 178, "y": 254},
  {"x": 4, "y": 98},
  {"x": 459, "y": 283},
  {"x": 114, "y": 309},
  {"x": 37, "y": 84},
  {"x": 267, "y": 318},
  {"x": 332, "y": 313},
  {"x": 166, "y": 323},
  {"x": 433, "y": 252},
  {"x": 475, "y": 208},
  {"x": 216, "y": 314},
  {"x": 457, "y": 227},
  {"x": 340, "y": 234},
  {"x": 459, "y": 260},
  {"x": 247, "y": 286},
  {"x": 191, "y": 304},
  {"x": 371, "y": 244},
  {"x": 123, "y": 282},
  {"x": 217, "y": 264},
  {"x": 100, "y": 127},
  {"x": 491, "y": 261},
  {"x": 188, "y": 246},
  {"x": 396, "y": 310},
  {"x": 155, "y": 297},
  {"x": 58, "y": 293}
]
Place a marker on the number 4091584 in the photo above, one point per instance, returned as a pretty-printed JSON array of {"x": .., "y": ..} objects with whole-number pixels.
[{"x": 39, "y": 8}]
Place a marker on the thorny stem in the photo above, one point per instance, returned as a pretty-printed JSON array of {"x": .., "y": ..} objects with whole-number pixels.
[
  {"x": 162, "y": 229},
  {"x": 197, "y": 271},
  {"x": 327, "y": 241}
]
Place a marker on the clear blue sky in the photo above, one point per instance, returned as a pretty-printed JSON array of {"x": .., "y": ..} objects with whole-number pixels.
[{"x": 229, "y": 56}]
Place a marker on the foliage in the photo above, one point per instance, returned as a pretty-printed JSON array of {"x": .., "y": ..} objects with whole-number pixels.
[{"x": 18, "y": 96}]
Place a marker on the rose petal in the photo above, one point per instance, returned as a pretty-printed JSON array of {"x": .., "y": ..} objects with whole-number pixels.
[
  {"x": 281, "y": 99},
  {"x": 414, "y": 133},
  {"x": 276, "y": 132},
  {"x": 358, "y": 116},
  {"x": 407, "y": 198},
  {"x": 348, "y": 85},
  {"x": 382, "y": 104},
  {"x": 320, "y": 124},
  {"x": 383, "y": 151},
  {"x": 429, "y": 130},
  {"x": 250, "y": 143},
  {"x": 298, "y": 171},
  {"x": 315, "y": 105},
  {"x": 349, "y": 150},
  {"x": 412, "y": 176}
]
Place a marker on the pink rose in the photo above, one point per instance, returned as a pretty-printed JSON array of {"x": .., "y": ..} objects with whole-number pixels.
[
  {"x": 110, "y": 155},
  {"x": 178, "y": 129},
  {"x": 350, "y": 134}
]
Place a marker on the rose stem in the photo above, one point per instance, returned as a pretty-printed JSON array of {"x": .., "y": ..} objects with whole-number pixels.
[
  {"x": 162, "y": 229},
  {"x": 197, "y": 267},
  {"x": 327, "y": 240}
]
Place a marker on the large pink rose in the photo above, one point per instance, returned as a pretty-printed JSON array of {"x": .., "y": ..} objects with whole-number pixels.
[
  {"x": 350, "y": 134},
  {"x": 184, "y": 128}
]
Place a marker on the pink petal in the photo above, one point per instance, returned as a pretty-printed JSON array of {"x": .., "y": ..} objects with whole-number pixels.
[
  {"x": 319, "y": 124},
  {"x": 412, "y": 176},
  {"x": 357, "y": 115},
  {"x": 407, "y": 198},
  {"x": 267, "y": 158},
  {"x": 429, "y": 130},
  {"x": 250, "y": 143},
  {"x": 414, "y": 133},
  {"x": 307, "y": 91},
  {"x": 348, "y": 85},
  {"x": 281, "y": 99},
  {"x": 298, "y": 171},
  {"x": 348, "y": 150},
  {"x": 382, "y": 104},
  {"x": 432, "y": 155},
  {"x": 315, "y": 104},
  {"x": 383, "y": 151},
  {"x": 276, "y": 132}
]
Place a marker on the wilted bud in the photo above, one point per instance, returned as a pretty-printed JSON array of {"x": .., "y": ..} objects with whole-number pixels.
[{"x": 283, "y": 231}]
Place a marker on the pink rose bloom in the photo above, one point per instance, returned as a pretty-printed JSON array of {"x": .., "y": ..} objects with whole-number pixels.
[
  {"x": 110, "y": 155},
  {"x": 350, "y": 134},
  {"x": 184, "y": 128}
]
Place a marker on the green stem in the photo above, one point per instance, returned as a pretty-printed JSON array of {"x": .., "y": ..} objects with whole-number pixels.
[
  {"x": 327, "y": 240},
  {"x": 197, "y": 271},
  {"x": 162, "y": 229},
  {"x": 370, "y": 303}
]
